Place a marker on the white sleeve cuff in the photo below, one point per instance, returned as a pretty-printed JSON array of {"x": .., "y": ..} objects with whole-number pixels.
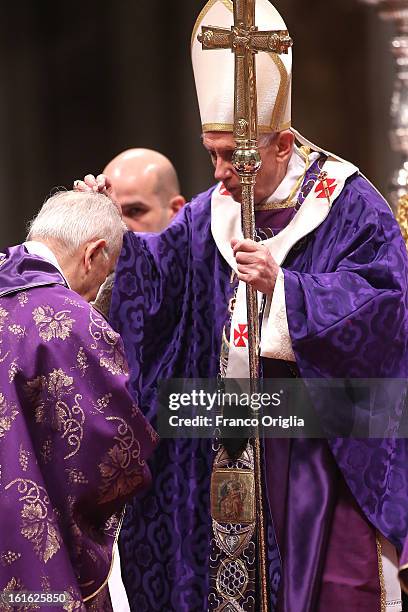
[{"x": 275, "y": 338}]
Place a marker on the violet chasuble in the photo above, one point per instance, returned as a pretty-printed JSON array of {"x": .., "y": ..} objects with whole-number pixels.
[{"x": 73, "y": 444}]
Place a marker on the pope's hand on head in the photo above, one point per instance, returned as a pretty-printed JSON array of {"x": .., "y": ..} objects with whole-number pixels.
[
  {"x": 255, "y": 264},
  {"x": 98, "y": 184}
]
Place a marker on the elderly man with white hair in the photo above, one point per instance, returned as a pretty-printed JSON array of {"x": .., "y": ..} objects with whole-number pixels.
[{"x": 73, "y": 443}]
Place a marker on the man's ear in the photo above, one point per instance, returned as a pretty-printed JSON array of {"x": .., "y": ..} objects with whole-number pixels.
[
  {"x": 92, "y": 250},
  {"x": 175, "y": 204},
  {"x": 285, "y": 144}
]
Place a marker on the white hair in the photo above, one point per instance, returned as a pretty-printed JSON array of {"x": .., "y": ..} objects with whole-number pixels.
[
  {"x": 74, "y": 218},
  {"x": 267, "y": 138}
]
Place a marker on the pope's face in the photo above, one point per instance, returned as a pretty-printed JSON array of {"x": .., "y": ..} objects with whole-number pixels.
[{"x": 221, "y": 146}]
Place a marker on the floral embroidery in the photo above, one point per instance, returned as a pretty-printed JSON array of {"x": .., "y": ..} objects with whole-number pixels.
[
  {"x": 22, "y": 298},
  {"x": 41, "y": 390},
  {"x": 45, "y": 583},
  {"x": 23, "y": 456},
  {"x": 17, "y": 330},
  {"x": 73, "y": 302},
  {"x": 118, "y": 478},
  {"x": 46, "y": 394},
  {"x": 74, "y": 602},
  {"x": 105, "y": 342},
  {"x": 70, "y": 422},
  {"x": 3, "y": 316},
  {"x": 13, "y": 369},
  {"x": 82, "y": 361},
  {"x": 36, "y": 525},
  {"x": 116, "y": 363},
  {"x": 8, "y": 414},
  {"x": 8, "y": 557},
  {"x": 53, "y": 324},
  {"x": 75, "y": 476},
  {"x": 102, "y": 402},
  {"x": 112, "y": 525}
]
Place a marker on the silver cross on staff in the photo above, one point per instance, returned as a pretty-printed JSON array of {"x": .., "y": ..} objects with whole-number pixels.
[{"x": 245, "y": 41}]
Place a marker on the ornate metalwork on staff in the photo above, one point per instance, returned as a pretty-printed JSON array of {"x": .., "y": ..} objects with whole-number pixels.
[{"x": 245, "y": 41}]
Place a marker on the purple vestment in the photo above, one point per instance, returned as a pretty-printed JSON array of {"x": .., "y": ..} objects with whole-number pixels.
[
  {"x": 73, "y": 444},
  {"x": 346, "y": 299}
]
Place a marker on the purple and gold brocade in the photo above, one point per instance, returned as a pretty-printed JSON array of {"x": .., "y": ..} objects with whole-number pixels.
[{"x": 73, "y": 444}]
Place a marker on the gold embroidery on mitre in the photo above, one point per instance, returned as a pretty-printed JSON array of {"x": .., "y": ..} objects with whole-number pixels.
[
  {"x": 282, "y": 96},
  {"x": 53, "y": 325},
  {"x": 276, "y": 123},
  {"x": 36, "y": 524}
]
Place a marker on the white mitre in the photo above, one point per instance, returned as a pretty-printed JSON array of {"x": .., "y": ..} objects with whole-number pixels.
[{"x": 214, "y": 72}]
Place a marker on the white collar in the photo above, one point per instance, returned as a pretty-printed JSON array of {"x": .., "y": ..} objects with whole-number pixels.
[
  {"x": 226, "y": 215},
  {"x": 42, "y": 250}
]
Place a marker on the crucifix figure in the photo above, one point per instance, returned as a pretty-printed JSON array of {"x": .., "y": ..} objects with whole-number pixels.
[{"x": 245, "y": 41}]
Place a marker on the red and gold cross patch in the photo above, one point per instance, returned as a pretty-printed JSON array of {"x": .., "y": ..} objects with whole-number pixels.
[{"x": 325, "y": 186}]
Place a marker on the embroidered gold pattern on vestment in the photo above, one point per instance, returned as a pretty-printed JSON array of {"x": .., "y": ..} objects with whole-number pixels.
[
  {"x": 53, "y": 325},
  {"x": 46, "y": 394},
  {"x": 117, "y": 478},
  {"x": 105, "y": 342},
  {"x": 8, "y": 413},
  {"x": 37, "y": 524},
  {"x": 8, "y": 557},
  {"x": 23, "y": 457}
]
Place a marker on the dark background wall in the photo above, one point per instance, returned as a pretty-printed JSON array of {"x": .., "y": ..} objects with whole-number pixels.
[{"x": 82, "y": 80}]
